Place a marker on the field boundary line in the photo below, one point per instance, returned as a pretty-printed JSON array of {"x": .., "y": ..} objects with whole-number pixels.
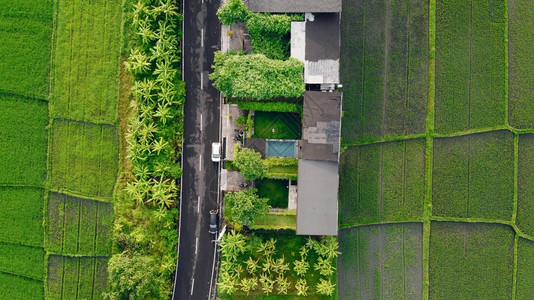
[
  {"x": 514, "y": 272},
  {"x": 506, "y": 65},
  {"x": 79, "y": 195},
  {"x": 380, "y": 223},
  {"x": 28, "y": 97},
  {"x": 470, "y": 220},
  {"x": 31, "y": 186},
  {"x": 516, "y": 177},
  {"x": 78, "y": 255},
  {"x": 84, "y": 122},
  {"x": 429, "y": 148},
  {"x": 386, "y": 67},
  {"x": 23, "y": 276},
  {"x": 20, "y": 244},
  {"x": 387, "y": 139}
]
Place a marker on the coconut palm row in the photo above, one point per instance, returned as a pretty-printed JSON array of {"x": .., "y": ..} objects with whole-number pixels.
[
  {"x": 263, "y": 271},
  {"x": 155, "y": 129}
]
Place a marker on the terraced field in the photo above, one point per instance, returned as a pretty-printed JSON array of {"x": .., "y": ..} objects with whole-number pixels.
[
  {"x": 59, "y": 147},
  {"x": 457, "y": 195}
]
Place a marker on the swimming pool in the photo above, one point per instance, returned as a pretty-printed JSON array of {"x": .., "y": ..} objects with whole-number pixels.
[{"x": 282, "y": 148}]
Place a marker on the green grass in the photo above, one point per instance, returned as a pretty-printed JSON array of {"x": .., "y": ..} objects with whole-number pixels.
[
  {"x": 84, "y": 158},
  {"x": 22, "y": 260},
  {"x": 525, "y": 269},
  {"x": 78, "y": 226},
  {"x": 470, "y": 261},
  {"x": 21, "y": 215},
  {"x": 276, "y": 190},
  {"x": 525, "y": 184},
  {"x": 521, "y": 64},
  {"x": 276, "y": 125},
  {"x": 26, "y": 28},
  {"x": 473, "y": 176},
  {"x": 381, "y": 261},
  {"x": 276, "y": 221},
  {"x": 23, "y": 140},
  {"x": 86, "y": 60},
  {"x": 470, "y": 65},
  {"x": 384, "y": 68},
  {"x": 20, "y": 288},
  {"x": 395, "y": 167}
]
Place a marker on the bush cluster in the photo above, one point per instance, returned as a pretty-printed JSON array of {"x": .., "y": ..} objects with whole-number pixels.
[{"x": 146, "y": 211}]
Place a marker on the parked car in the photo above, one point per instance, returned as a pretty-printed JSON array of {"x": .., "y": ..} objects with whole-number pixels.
[
  {"x": 216, "y": 152},
  {"x": 214, "y": 213}
]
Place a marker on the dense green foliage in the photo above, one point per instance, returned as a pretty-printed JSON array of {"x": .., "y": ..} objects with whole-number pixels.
[
  {"x": 23, "y": 140},
  {"x": 250, "y": 164},
  {"x": 86, "y": 60},
  {"x": 256, "y": 76},
  {"x": 233, "y": 11},
  {"x": 396, "y": 168},
  {"x": 473, "y": 176},
  {"x": 381, "y": 260},
  {"x": 481, "y": 253},
  {"x": 470, "y": 65},
  {"x": 384, "y": 68},
  {"x": 145, "y": 206},
  {"x": 525, "y": 269},
  {"x": 16, "y": 287},
  {"x": 275, "y": 190},
  {"x": 21, "y": 215},
  {"x": 84, "y": 277},
  {"x": 245, "y": 206},
  {"x": 275, "y": 125},
  {"x": 273, "y": 262},
  {"x": 78, "y": 226},
  {"x": 520, "y": 64},
  {"x": 26, "y": 28},
  {"x": 136, "y": 276},
  {"x": 274, "y": 106}
]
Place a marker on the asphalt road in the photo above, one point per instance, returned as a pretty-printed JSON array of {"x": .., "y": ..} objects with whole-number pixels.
[{"x": 201, "y": 37}]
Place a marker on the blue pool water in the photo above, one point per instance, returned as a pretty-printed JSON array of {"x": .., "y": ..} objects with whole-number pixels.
[{"x": 281, "y": 148}]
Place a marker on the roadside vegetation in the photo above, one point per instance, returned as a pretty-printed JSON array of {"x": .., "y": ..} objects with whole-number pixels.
[{"x": 146, "y": 212}]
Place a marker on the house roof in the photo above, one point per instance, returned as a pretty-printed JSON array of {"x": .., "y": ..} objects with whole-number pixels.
[
  {"x": 317, "y": 210},
  {"x": 259, "y": 145},
  {"x": 321, "y": 126},
  {"x": 294, "y": 6}
]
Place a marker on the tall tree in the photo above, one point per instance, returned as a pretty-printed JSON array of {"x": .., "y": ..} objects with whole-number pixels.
[
  {"x": 246, "y": 206},
  {"x": 250, "y": 164}
]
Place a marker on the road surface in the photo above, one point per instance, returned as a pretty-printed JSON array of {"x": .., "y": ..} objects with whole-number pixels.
[{"x": 201, "y": 37}]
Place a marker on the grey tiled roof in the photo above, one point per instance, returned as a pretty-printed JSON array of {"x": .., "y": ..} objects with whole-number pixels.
[{"x": 294, "y": 6}]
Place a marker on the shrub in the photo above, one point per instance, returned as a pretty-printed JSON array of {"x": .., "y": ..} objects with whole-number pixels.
[{"x": 234, "y": 11}]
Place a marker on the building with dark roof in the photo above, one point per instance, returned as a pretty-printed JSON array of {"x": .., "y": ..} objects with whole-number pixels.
[{"x": 295, "y": 6}]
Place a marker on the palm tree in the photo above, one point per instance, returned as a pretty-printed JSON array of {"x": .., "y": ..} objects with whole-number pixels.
[
  {"x": 302, "y": 287},
  {"x": 324, "y": 266},
  {"x": 301, "y": 267},
  {"x": 268, "y": 265},
  {"x": 252, "y": 265},
  {"x": 163, "y": 113},
  {"x": 159, "y": 145},
  {"x": 146, "y": 33},
  {"x": 227, "y": 283},
  {"x": 232, "y": 245},
  {"x": 279, "y": 266},
  {"x": 248, "y": 284},
  {"x": 283, "y": 284},
  {"x": 325, "y": 287},
  {"x": 330, "y": 246},
  {"x": 267, "y": 284},
  {"x": 304, "y": 251}
]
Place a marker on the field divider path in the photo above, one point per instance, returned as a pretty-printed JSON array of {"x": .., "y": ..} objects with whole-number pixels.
[
  {"x": 386, "y": 65},
  {"x": 21, "y": 276},
  {"x": 362, "y": 116},
  {"x": 360, "y": 224},
  {"x": 514, "y": 272}
]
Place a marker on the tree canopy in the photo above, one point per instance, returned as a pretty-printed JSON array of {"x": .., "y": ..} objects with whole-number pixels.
[
  {"x": 256, "y": 76},
  {"x": 246, "y": 206},
  {"x": 250, "y": 164}
]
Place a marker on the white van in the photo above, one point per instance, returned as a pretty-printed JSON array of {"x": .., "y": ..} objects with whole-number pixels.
[{"x": 216, "y": 152}]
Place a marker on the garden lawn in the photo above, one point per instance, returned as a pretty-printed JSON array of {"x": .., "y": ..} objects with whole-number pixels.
[
  {"x": 470, "y": 65},
  {"x": 276, "y": 221},
  {"x": 525, "y": 184},
  {"x": 84, "y": 158},
  {"x": 381, "y": 260},
  {"x": 382, "y": 182},
  {"x": 26, "y": 28},
  {"x": 384, "y": 68},
  {"x": 520, "y": 64},
  {"x": 471, "y": 261},
  {"x": 78, "y": 226},
  {"x": 86, "y": 61},
  {"x": 473, "y": 176},
  {"x": 275, "y": 190},
  {"x": 21, "y": 215},
  {"x": 275, "y": 125},
  {"x": 23, "y": 140}
]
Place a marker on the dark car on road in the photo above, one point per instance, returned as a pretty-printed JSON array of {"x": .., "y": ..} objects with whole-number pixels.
[{"x": 213, "y": 221}]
